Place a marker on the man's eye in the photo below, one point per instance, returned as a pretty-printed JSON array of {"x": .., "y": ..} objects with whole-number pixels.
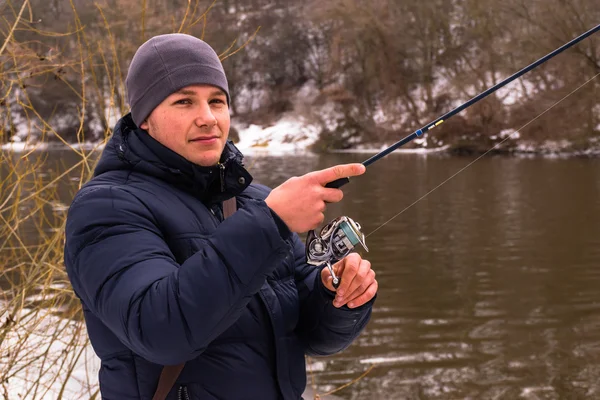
[
  {"x": 217, "y": 101},
  {"x": 183, "y": 101}
]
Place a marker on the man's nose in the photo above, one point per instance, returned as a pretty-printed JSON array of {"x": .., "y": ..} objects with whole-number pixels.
[{"x": 205, "y": 117}]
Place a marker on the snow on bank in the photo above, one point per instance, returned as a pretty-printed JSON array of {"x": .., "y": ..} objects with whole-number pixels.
[
  {"x": 23, "y": 147},
  {"x": 288, "y": 135},
  {"x": 26, "y": 147},
  {"x": 44, "y": 356},
  {"x": 291, "y": 135}
]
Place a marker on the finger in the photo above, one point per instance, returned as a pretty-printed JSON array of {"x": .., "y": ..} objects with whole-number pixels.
[
  {"x": 327, "y": 175},
  {"x": 361, "y": 289},
  {"x": 360, "y": 277},
  {"x": 321, "y": 207},
  {"x": 315, "y": 222},
  {"x": 338, "y": 268},
  {"x": 349, "y": 269},
  {"x": 365, "y": 297},
  {"x": 358, "y": 285},
  {"x": 332, "y": 195},
  {"x": 321, "y": 218}
]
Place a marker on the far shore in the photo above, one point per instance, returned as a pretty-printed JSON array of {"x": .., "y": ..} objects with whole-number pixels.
[{"x": 274, "y": 150}]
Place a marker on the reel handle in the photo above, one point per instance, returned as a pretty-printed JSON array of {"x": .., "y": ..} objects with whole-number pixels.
[
  {"x": 336, "y": 280},
  {"x": 338, "y": 183}
]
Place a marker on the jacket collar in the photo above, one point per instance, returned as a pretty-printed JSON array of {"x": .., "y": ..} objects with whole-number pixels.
[{"x": 132, "y": 148}]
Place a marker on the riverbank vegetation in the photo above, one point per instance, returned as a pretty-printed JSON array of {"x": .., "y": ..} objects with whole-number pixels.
[{"x": 364, "y": 72}]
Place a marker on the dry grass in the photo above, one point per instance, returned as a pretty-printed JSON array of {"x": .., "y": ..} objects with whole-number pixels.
[{"x": 43, "y": 342}]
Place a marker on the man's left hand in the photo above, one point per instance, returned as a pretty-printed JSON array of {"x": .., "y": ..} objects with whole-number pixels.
[{"x": 358, "y": 284}]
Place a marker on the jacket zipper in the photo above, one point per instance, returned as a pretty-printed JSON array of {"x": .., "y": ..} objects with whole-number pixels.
[
  {"x": 182, "y": 393},
  {"x": 222, "y": 172}
]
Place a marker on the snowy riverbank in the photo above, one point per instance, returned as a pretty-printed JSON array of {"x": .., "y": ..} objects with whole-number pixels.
[{"x": 291, "y": 135}]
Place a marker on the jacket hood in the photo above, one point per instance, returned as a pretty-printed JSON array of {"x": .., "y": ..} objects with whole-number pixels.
[{"x": 132, "y": 148}]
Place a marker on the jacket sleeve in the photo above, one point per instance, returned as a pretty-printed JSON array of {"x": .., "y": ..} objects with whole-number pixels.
[
  {"x": 324, "y": 328},
  {"x": 124, "y": 272}
]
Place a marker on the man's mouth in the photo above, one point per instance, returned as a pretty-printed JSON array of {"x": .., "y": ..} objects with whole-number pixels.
[{"x": 205, "y": 139}]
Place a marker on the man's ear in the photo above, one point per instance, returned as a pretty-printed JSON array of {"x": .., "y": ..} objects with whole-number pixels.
[{"x": 144, "y": 125}]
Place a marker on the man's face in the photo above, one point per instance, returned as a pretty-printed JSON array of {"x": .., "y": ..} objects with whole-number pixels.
[{"x": 193, "y": 122}]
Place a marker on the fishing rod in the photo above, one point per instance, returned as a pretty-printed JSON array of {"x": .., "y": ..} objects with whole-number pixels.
[
  {"x": 420, "y": 132},
  {"x": 339, "y": 237}
]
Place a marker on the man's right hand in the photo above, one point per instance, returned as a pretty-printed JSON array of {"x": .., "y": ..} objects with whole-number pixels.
[{"x": 300, "y": 201}]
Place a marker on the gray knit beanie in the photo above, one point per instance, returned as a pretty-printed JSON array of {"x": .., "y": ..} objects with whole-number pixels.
[{"x": 167, "y": 63}]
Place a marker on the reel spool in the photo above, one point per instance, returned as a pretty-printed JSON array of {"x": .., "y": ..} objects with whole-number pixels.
[{"x": 334, "y": 242}]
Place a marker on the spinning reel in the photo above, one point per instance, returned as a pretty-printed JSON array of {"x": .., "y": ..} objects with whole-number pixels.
[{"x": 334, "y": 242}]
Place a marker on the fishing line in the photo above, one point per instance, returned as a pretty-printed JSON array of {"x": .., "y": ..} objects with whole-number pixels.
[{"x": 481, "y": 156}]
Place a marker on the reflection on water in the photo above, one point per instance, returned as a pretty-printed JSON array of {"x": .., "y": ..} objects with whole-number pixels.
[{"x": 488, "y": 285}]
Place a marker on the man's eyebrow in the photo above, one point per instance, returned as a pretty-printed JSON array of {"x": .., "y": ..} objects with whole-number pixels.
[
  {"x": 218, "y": 92},
  {"x": 188, "y": 92}
]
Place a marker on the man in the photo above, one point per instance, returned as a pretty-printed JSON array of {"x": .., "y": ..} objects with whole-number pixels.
[{"x": 165, "y": 279}]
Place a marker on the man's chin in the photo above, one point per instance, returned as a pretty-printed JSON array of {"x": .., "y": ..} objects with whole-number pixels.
[{"x": 207, "y": 159}]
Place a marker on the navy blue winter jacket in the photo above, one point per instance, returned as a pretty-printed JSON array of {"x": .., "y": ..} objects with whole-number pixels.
[{"x": 164, "y": 280}]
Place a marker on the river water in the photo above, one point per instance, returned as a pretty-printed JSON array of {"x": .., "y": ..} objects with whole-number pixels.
[{"x": 489, "y": 285}]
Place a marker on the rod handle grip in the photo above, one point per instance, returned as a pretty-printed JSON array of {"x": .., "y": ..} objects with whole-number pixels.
[{"x": 338, "y": 183}]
